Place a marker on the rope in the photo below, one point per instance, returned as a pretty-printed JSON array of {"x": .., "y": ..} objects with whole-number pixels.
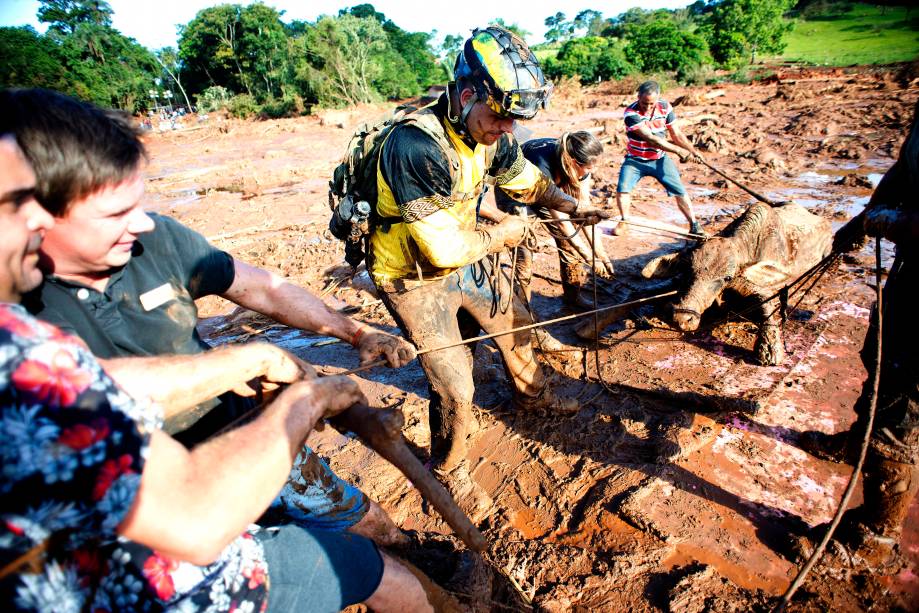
[
  {"x": 540, "y": 324},
  {"x": 850, "y": 488}
]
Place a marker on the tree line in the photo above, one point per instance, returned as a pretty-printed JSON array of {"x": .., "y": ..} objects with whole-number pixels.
[{"x": 248, "y": 59}]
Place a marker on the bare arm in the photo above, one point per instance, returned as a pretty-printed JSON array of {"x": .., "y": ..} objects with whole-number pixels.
[
  {"x": 645, "y": 134},
  {"x": 582, "y": 244},
  {"x": 179, "y": 382},
  {"x": 292, "y": 305},
  {"x": 192, "y": 504},
  {"x": 680, "y": 139}
]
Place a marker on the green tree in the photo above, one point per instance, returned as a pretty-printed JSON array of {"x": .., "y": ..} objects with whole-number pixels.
[
  {"x": 107, "y": 67},
  {"x": 262, "y": 48},
  {"x": 585, "y": 21},
  {"x": 28, "y": 59},
  {"x": 63, "y": 16},
  {"x": 737, "y": 28},
  {"x": 414, "y": 49},
  {"x": 559, "y": 28},
  {"x": 341, "y": 67},
  {"x": 660, "y": 45},
  {"x": 168, "y": 59},
  {"x": 209, "y": 49},
  {"x": 631, "y": 18},
  {"x": 591, "y": 58}
]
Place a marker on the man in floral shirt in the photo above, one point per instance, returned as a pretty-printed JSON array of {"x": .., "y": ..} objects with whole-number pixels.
[
  {"x": 126, "y": 282},
  {"x": 101, "y": 510}
]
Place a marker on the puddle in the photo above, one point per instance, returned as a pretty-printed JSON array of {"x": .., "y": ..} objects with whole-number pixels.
[{"x": 813, "y": 178}]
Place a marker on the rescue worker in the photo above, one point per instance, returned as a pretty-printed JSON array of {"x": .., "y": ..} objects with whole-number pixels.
[
  {"x": 568, "y": 161},
  {"x": 891, "y": 476},
  {"x": 648, "y": 122},
  {"x": 429, "y": 262}
]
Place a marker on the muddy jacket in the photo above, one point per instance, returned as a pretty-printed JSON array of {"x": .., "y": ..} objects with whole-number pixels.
[{"x": 436, "y": 193}]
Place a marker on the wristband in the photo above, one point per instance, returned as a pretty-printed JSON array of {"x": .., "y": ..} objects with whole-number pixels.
[{"x": 357, "y": 336}]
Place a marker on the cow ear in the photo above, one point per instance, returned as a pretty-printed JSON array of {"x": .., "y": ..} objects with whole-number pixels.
[
  {"x": 765, "y": 274},
  {"x": 661, "y": 267}
]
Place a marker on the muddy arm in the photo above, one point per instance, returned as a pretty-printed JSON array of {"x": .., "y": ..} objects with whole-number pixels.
[{"x": 381, "y": 430}]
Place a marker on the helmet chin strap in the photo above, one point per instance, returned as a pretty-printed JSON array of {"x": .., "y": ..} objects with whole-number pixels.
[{"x": 468, "y": 109}]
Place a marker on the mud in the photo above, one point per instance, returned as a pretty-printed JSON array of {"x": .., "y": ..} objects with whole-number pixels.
[{"x": 679, "y": 485}]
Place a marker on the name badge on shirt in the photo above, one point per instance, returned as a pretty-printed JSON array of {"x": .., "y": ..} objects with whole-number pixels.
[{"x": 157, "y": 297}]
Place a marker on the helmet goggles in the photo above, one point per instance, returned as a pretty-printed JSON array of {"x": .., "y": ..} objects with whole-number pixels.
[{"x": 519, "y": 103}]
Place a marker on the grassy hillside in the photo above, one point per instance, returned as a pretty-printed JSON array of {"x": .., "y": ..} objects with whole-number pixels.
[{"x": 866, "y": 34}]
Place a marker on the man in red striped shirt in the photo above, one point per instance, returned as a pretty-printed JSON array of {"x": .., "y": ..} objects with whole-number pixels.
[{"x": 647, "y": 122}]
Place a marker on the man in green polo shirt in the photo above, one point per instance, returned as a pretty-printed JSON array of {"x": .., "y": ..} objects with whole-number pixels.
[{"x": 125, "y": 282}]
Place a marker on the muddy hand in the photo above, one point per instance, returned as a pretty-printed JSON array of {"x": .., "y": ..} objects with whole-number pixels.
[
  {"x": 374, "y": 345},
  {"x": 381, "y": 429},
  {"x": 509, "y": 233},
  {"x": 591, "y": 215},
  {"x": 893, "y": 224},
  {"x": 851, "y": 236},
  {"x": 603, "y": 268},
  {"x": 277, "y": 367},
  {"x": 332, "y": 395}
]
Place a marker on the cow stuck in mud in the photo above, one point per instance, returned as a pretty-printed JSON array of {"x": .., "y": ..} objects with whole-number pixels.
[{"x": 755, "y": 256}]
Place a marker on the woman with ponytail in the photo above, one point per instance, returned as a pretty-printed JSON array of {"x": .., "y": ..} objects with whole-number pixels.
[{"x": 568, "y": 160}]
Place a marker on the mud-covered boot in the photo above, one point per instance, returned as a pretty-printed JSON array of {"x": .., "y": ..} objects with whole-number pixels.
[
  {"x": 547, "y": 402},
  {"x": 621, "y": 229},
  {"x": 696, "y": 228}
]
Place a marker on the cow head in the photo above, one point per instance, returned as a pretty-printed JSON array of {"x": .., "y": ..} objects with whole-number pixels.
[{"x": 713, "y": 265}]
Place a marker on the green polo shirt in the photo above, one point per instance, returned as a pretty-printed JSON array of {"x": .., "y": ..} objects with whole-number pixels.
[{"x": 147, "y": 307}]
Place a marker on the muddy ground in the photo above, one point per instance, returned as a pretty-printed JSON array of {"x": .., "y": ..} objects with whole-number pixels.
[{"x": 679, "y": 483}]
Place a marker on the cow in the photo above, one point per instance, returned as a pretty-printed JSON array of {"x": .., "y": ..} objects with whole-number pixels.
[{"x": 755, "y": 256}]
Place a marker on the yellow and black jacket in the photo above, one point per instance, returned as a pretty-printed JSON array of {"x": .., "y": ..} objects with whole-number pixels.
[{"x": 432, "y": 177}]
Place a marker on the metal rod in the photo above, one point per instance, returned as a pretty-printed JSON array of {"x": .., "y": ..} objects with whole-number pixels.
[{"x": 756, "y": 195}]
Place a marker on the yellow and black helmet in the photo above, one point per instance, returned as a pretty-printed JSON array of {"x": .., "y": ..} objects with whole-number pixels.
[{"x": 504, "y": 72}]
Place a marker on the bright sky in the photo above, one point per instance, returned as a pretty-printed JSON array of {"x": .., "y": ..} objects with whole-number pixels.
[{"x": 153, "y": 22}]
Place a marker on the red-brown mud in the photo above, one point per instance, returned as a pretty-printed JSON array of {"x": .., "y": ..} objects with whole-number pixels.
[{"x": 680, "y": 483}]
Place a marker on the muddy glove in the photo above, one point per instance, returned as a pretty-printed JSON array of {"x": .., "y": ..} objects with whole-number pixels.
[
  {"x": 509, "y": 233},
  {"x": 851, "y": 236},
  {"x": 373, "y": 345},
  {"x": 892, "y": 224}
]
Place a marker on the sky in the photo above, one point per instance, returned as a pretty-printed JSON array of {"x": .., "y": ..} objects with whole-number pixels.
[{"x": 153, "y": 22}]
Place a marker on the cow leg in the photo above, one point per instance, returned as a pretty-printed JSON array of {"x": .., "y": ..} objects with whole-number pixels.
[{"x": 770, "y": 347}]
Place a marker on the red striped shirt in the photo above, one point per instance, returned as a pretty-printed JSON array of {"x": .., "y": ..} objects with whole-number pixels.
[{"x": 657, "y": 118}]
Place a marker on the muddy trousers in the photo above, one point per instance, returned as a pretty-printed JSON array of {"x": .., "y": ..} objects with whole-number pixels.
[
  {"x": 446, "y": 310},
  {"x": 891, "y": 474}
]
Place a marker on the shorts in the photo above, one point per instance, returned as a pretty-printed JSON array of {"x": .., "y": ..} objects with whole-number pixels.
[
  {"x": 315, "y": 497},
  {"x": 319, "y": 571},
  {"x": 664, "y": 170}
]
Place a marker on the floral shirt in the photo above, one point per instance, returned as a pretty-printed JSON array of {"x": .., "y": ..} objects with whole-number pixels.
[{"x": 72, "y": 449}]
